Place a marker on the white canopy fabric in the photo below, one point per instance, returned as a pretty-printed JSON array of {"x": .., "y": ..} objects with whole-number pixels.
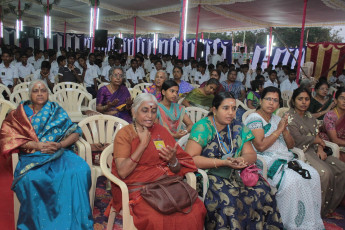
[{"x": 163, "y": 16}]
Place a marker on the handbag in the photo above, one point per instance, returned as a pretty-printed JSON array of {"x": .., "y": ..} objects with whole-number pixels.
[
  {"x": 168, "y": 194},
  {"x": 250, "y": 175}
]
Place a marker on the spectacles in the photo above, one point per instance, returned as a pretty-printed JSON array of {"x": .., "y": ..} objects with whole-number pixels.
[
  {"x": 275, "y": 100},
  {"x": 117, "y": 75}
]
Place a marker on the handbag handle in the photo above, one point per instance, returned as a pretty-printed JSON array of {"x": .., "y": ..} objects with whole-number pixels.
[{"x": 173, "y": 200}]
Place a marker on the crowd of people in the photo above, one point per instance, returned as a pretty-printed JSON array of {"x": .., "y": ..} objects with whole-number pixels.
[{"x": 295, "y": 194}]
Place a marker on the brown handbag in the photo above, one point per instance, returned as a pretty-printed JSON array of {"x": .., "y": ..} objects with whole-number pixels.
[{"x": 168, "y": 194}]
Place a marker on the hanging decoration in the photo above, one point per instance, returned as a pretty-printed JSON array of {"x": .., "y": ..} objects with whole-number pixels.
[
  {"x": 13, "y": 9},
  {"x": 45, "y": 5}
]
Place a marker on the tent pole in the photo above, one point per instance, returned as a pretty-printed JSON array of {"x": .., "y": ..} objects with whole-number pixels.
[
  {"x": 135, "y": 36},
  {"x": 269, "y": 48},
  {"x": 197, "y": 31},
  {"x": 182, "y": 25},
  {"x": 301, "y": 41},
  {"x": 64, "y": 37},
  {"x": 94, "y": 26}
]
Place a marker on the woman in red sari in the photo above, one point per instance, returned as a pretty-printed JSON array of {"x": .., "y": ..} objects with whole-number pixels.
[
  {"x": 143, "y": 152},
  {"x": 333, "y": 128}
]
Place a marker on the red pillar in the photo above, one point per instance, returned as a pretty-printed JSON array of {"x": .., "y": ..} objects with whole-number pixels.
[
  {"x": 135, "y": 36},
  {"x": 301, "y": 41},
  {"x": 269, "y": 48},
  {"x": 94, "y": 26},
  {"x": 180, "y": 49},
  {"x": 197, "y": 31},
  {"x": 48, "y": 25}
]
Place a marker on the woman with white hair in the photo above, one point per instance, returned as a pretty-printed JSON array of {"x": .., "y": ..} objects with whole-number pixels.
[
  {"x": 156, "y": 88},
  {"x": 144, "y": 152},
  {"x": 50, "y": 180}
]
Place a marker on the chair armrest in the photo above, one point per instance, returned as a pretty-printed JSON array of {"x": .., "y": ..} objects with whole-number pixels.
[
  {"x": 264, "y": 165},
  {"x": 85, "y": 150},
  {"x": 204, "y": 182},
  {"x": 191, "y": 179},
  {"x": 335, "y": 148},
  {"x": 299, "y": 153}
]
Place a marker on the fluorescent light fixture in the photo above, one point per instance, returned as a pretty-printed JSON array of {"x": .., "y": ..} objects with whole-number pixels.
[
  {"x": 1, "y": 30},
  {"x": 185, "y": 21},
  {"x": 97, "y": 20},
  {"x": 91, "y": 20},
  {"x": 155, "y": 40},
  {"x": 47, "y": 29},
  {"x": 19, "y": 27},
  {"x": 268, "y": 44}
]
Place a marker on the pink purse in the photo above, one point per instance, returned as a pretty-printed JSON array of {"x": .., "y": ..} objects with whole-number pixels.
[{"x": 250, "y": 175}]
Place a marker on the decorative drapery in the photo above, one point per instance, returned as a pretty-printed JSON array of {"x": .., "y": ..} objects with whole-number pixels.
[
  {"x": 279, "y": 54},
  {"x": 325, "y": 55}
]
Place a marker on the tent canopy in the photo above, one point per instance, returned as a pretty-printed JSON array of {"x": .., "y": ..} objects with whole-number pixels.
[{"x": 163, "y": 16}]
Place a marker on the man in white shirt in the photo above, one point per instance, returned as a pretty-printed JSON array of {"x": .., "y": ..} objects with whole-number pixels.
[
  {"x": 283, "y": 74},
  {"x": 140, "y": 68},
  {"x": 89, "y": 75},
  {"x": 209, "y": 56},
  {"x": 241, "y": 56},
  {"x": 290, "y": 83},
  {"x": 105, "y": 70},
  {"x": 158, "y": 66},
  {"x": 256, "y": 73},
  {"x": 36, "y": 60},
  {"x": 92, "y": 59},
  {"x": 186, "y": 69},
  {"x": 217, "y": 57},
  {"x": 147, "y": 64},
  {"x": 201, "y": 76},
  {"x": 333, "y": 79},
  {"x": 272, "y": 80},
  {"x": 54, "y": 64},
  {"x": 44, "y": 74},
  {"x": 24, "y": 69},
  {"x": 8, "y": 73},
  {"x": 341, "y": 78},
  {"x": 267, "y": 72},
  {"x": 16, "y": 59},
  {"x": 133, "y": 76}
]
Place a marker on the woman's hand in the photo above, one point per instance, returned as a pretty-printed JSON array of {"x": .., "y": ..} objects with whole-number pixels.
[
  {"x": 113, "y": 103},
  {"x": 331, "y": 106},
  {"x": 319, "y": 141},
  {"x": 321, "y": 154},
  {"x": 180, "y": 134},
  {"x": 129, "y": 101},
  {"x": 47, "y": 147},
  {"x": 168, "y": 154},
  {"x": 144, "y": 136},
  {"x": 283, "y": 123},
  {"x": 236, "y": 163}
]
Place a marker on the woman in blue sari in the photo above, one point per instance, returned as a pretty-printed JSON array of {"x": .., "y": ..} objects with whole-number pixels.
[{"x": 51, "y": 182}]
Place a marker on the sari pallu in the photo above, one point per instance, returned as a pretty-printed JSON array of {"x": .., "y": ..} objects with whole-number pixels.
[
  {"x": 149, "y": 168},
  {"x": 122, "y": 94},
  {"x": 172, "y": 118},
  {"x": 198, "y": 99},
  {"x": 52, "y": 188},
  {"x": 230, "y": 204}
]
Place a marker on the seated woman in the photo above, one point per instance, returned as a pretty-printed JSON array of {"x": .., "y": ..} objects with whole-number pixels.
[
  {"x": 202, "y": 97},
  {"x": 184, "y": 87},
  {"x": 156, "y": 88},
  {"x": 115, "y": 99},
  {"x": 216, "y": 75},
  {"x": 220, "y": 144},
  {"x": 253, "y": 95},
  {"x": 51, "y": 182},
  {"x": 138, "y": 158},
  {"x": 321, "y": 103},
  {"x": 171, "y": 115},
  {"x": 333, "y": 128},
  {"x": 298, "y": 184},
  {"x": 303, "y": 129}
]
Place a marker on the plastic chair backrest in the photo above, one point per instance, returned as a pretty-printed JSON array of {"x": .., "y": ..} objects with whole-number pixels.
[
  {"x": 246, "y": 114},
  {"x": 4, "y": 88},
  {"x": 23, "y": 85},
  {"x": 66, "y": 85},
  {"x": 71, "y": 99},
  {"x": 196, "y": 114},
  {"x": 5, "y": 108},
  {"x": 28, "y": 78},
  {"x": 19, "y": 95},
  {"x": 134, "y": 92},
  {"x": 142, "y": 86}
]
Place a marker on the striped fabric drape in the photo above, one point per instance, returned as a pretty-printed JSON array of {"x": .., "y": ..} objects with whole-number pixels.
[
  {"x": 279, "y": 54},
  {"x": 325, "y": 55}
]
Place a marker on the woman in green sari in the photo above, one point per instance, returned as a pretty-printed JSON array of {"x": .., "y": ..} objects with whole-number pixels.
[
  {"x": 172, "y": 115},
  {"x": 202, "y": 97}
]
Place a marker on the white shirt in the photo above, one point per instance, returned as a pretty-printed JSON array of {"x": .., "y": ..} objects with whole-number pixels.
[
  {"x": 216, "y": 58},
  {"x": 105, "y": 72},
  {"x": 265, "y": 74},
  {"x": 223, "y": 76},
  {"x": 209, "y": 58},
  {"x": 341, "y": 78},
  {"x": 7, "y": 75},
  {"x": 282, "y": 78},
  {"x": 288, "y": 86},
  {"x": 201, "y": 78},
  {"x": 54, "y": 69},
  {"x": 24, "y": 71},
  {"x": 147, "y": 65},
  {"x": 141, "y": 71},
  {"x": 37, "y": 75},
  {"x": 134, "y": 76},
  {"x": 270, "y": 83},
  {"x": 241, "y": 58},
  {"x": 153, "y": 74},
  {"x": 34, "y": 63},
  {"x": 332, "y": 80},
  {"x": 90, "y": 74}
]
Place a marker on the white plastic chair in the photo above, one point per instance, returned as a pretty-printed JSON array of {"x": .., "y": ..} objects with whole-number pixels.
[
  {"x": 246, "y": 114},
  {"x": 71, "y": 100},
  {"x": 195, "y": 113},
  {"x": 281, "y": 111},
  {"x": 6, "y": 89},
  {"x": 180, "y": 100},
  {"x": 240, "y": 103},
  {"x": 28, "y": 78},
  {"x": 286, "y": 96},
  {"x": 19, "y": 95},
  {"x": 134, "y": 92},
  {"x": 68, "y": 85},
  {"x": 23, "y": 85},
  {"x": 103, "y": 84},
  {"x": 142, "y": 86},
  {"x": 97, "y": 129},
  {"x": 92, "y": 104},
  {"x": 5, "y": 108}
]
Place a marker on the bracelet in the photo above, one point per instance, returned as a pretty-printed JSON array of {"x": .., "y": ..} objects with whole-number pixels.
[
  {"x": 276, "y": 135},
  {"x": 214, "y": 161},
  {"x": 130, "y": 157},
  {"x": 174, "y": 165}
]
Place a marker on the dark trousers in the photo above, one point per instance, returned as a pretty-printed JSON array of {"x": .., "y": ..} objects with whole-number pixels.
[{"x": 92, "y": 91}]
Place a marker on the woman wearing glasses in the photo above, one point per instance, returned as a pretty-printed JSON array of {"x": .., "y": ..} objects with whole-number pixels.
[
  {"x": 298, "y": 184},
  {"x": 115, "y": 99},
  {"x": 321, "y": 103}
]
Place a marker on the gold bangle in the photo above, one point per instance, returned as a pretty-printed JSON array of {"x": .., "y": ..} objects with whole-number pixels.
[
  {"x": 214, "y": 161},
  {"x": 276, "y": 135}
]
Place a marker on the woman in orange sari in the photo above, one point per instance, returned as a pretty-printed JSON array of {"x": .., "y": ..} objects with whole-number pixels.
[{"x": 143, "y": 152}]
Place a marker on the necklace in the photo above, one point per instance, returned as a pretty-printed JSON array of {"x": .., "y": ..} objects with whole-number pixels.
[
  {"x": 266, "y": 118},
  {"x": 112, "y": 88},
  {"x": 221, "y": 142}
]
